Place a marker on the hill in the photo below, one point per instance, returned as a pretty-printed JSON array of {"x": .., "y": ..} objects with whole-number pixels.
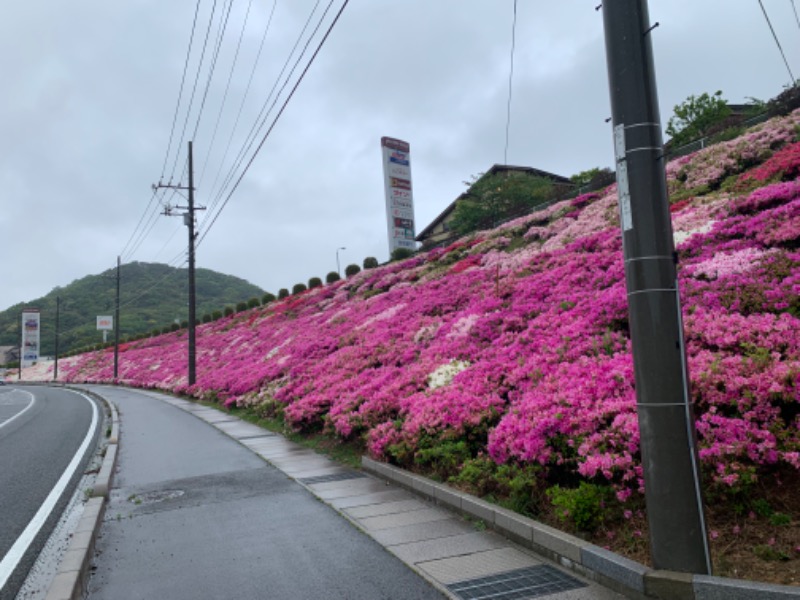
[
  {"x": 502, "y": 364},
  {"x": 152, "y": 296}
]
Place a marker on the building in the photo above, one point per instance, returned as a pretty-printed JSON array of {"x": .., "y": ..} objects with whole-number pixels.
[{"x": 439, "y": 231}]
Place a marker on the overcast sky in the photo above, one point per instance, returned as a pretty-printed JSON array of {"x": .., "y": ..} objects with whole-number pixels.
[{"x": 90, "y": 89}]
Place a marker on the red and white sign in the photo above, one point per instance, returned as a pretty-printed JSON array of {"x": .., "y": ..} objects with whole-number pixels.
[
  {"x": 399, "y": 196},
  {"x": 105, "y": 323}
]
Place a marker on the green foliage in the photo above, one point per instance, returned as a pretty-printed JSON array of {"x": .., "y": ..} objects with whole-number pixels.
[
  {"x": 443, "y": 459},
  {"x": 240, "y": 306},
  {"x": 151, "y": 295},
  {"x": 332, "y": 277},
  {"x": 216, "y": 315},
  {"x": 267, "y": 298},
  {"x": 370, "y": 262},
  {"x": 283, "y": 293},
  {"x": 593, "y": 179},
  {"x": 207, "y": 318},
  {"x": 696, "y": 116},
  {"x": 491, "y": 199},
  {"x": 253, "y": 302},
  {"x": 351, "y": 270},
  {"x": 583, "y": 507},
  {"x": 298, "y": 288},
  {"x": 228, "y": 311},
  {"x": 314, "y": 282},
  {"x": 401, "y": 254},
  {"x": 513, "y": 486}
]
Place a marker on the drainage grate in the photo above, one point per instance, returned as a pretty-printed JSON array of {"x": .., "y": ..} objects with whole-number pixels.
[
  {"x": 530, "y": 582},
  {"x": 334, "y": 477}
]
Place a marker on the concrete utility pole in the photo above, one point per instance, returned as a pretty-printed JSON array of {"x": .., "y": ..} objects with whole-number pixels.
[
  {"x": 666, "y": 421},
  {"x": 188, "y": 219},
  {"x": 55, "y": 365},
  {"x": 116, "y": 326}
]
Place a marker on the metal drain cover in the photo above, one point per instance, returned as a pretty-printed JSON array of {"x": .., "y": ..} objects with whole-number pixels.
[
  {"x": 154, "y": 497},
  {"x": 328, "y": 478},
  {"x": 520, "y": 584}
]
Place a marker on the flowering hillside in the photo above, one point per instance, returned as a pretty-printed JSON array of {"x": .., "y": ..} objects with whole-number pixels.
[{"x": 512, "y": 345}]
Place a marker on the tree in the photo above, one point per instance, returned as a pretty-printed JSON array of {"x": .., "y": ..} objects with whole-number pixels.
[
  {"x": 314, "y": 282},
  {"x": 351, "y": 270},
  {"x": 370, "y": 262},
  {"x": 696, "y": 117},
  {"x": 332, "y": 277},
  {"x": 401, "y": 254},
  {"x": 491, "y": 199}
]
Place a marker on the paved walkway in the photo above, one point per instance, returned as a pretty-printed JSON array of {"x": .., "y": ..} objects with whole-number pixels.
[{"x": 196, "y": 515}]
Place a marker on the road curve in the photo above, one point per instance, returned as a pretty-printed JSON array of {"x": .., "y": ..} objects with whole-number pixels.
[{"x": 41, "y": 430}]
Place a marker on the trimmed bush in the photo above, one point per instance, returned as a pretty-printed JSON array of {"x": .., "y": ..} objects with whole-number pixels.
[
  {"x": 240, "y": 306},
  {"x": 351, "y": 270},
  {"x": 228, "y": 311},
  {"x": 283, "y": 293},
  {"x": 401, "y": 254},
  {"x": 253, "y": 302},
  {"x": 299, "y": 288},
  {"x": 206, "y": 318},
  {"x": 267, "y": 298},
  {"x": 314, "y": 282},
  {"x": 216, "y": 315},
  {"x": 370, "y": 262},
  {"x": 332, "y": 277}
]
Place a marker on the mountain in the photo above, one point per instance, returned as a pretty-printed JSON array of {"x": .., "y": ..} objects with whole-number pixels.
[{"x": 152, "y": 296}]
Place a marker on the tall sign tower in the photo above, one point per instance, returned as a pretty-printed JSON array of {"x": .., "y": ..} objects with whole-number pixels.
[{"x": 399, "y": 196}]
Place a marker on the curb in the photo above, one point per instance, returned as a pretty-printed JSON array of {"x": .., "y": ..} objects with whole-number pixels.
[
  {"x": 70, "y": 582},
  {"x": 612, "y": 570}
]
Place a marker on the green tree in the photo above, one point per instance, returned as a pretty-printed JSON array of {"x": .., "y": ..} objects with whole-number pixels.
[
  {"x": 491, "y": 199},
  {"x": 696, "y": 117},
  {"x": 314, "y": 282},
  {"x": 351, "y": 270},
  {"x": 370, "y": 262},
  {"x": 401, "y": 254},
  {"x": 332, "y": 277}
]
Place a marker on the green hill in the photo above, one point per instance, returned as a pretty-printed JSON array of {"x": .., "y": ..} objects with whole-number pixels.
[{"x": 151, "y": 296}]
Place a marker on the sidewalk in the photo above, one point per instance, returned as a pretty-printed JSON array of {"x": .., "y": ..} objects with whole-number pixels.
[{"x": 196, "y": 514}]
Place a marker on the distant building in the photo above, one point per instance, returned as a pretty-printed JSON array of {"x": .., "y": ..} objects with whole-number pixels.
[{"x": 440, "y": 232}]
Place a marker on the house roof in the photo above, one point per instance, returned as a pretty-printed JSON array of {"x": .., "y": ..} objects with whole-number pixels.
[{"x": 492, "y": 171}]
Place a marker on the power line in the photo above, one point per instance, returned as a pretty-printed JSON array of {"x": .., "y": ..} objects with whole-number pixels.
[
  {"x": 510, "y": 80},
  {"x": 796, "y": 18},
  {"x": 227, "y": 89},
  {"x": 244, "y": 97},
  {"x": 280, "y": 112},
  {"x": 791, "y": 75},
  {"x": 262, "y": 117},
  {"x": 180, "y": 91}
]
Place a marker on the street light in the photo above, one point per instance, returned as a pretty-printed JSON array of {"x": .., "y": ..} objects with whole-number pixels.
[{"x": 338, "y": 269}]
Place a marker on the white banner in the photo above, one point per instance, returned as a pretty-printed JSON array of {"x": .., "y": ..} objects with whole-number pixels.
[
  {"x": 105, "y": 323},
  {"x": 30, "y": 337},
  {"x": 399, "y": 196}
]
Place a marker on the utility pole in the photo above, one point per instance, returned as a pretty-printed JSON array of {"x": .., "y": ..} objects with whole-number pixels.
[
  {"x": 55, "y": 365},
  {"x": 116, "y": 325},
  {"x": 188, "y": 219},
  {"x": 678, "y": 539}
]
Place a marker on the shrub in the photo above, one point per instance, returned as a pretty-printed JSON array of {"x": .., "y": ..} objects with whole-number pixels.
[
  {"x": 216, "y": 315},
  {"x": 332, "y": 277},
  {"x": 228, "y": 311},
  {"x": 583, "y": 506},
  {"x": 351, "y": 270},
  {"x": 253, "y": 302},
  {"x": 299, "y": 288},
  {"x": 240, "y": 306},
  {"x": 283, "y": 293},
  {"x": 206, "y": 318},
  {"x": 165, "y": 329},
  {"x": 185, "y": 324},
  {"x": 370, "y": 262},
  {"x": 267, "y": 298},
  {"x": 314, "y": 282},
  {"x": 401, "y": 254}
]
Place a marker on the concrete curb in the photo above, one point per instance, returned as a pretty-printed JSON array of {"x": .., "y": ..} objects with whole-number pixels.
[
  {"x": 612, "y": 570},
  {"x": 70, "y": 582}
]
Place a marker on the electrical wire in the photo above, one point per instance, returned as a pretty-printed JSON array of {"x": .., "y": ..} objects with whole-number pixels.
[
  {"x": 225, "y": 95},
  {"x": 510, "y": 81},
  {"x": 283, "y": 107},
  {"x": 796, "y": 18},
  {"x": 786, "y": 62},
  {"x": 262, "y": 117}
]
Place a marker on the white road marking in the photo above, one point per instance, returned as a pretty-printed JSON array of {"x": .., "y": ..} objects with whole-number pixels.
[
  {"x": 20, "y": 547},
  {"x": 23, "y": 411}
]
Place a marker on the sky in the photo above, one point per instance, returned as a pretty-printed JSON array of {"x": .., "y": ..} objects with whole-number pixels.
[{"x": 93, "y": 113}]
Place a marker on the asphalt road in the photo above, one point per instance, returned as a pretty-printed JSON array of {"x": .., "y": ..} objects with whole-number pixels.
[
  {"x": 41, "y": 430},
  {"x": 195, "y": 515}
]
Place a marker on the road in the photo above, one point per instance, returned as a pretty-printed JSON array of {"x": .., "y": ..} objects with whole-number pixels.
[{"x": 46, "y": 437}]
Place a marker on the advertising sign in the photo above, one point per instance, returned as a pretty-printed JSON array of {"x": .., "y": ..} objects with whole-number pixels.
[
  {"x": 105, "y": 323},
  {"x": 30, "y": 337},
  {"x": 399, "y": 196}
]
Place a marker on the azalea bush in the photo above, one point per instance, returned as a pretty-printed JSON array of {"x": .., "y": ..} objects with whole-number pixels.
[{"x": 511, "y": 348}]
